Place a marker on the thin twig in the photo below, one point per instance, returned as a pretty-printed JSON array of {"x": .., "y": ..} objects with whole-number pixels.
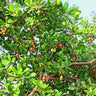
[
  {"x": 13, "y": 38},
  {"x": 68, "y": 80},
  {"x": 4, "y": 51},
  {"x": 71, "y": 77},
  {"x": 27, "y": 93},
  {"x": 37, "y": 25}
]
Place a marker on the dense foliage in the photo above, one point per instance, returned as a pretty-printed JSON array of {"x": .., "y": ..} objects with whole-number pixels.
[{"x": 48, "y": 50}]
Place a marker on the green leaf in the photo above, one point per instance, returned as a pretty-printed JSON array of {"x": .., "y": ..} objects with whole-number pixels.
[
  {"x": 84, "y": 84},
  {"x": 1, "y": 22},
  {"x": 28, "y": 2},
  {"x": 10, "y": 78},
  {"x": 9, "y": 58},
  {"x": 34, "y": 81},
  {"x": 5, "y": 62},
  {"x": 16, "y": 92},
  {"x": 10, "y": 88},
  {"x": 89, "y": 80},
  {"x": 58, "y": 2},
  {"x": 43, "y": 46},
  {"x": 1, "y": 69},
  {"x": 43, "y": 93},
  {"x": 72, "y": 88},
  {"x": 32, "y": 75},
  {"x": 44, "y": 19},
  {"x": 10, "y": 21},
  {"x": 6, "y": 85},
  {"x": 65, "y": 6},
  {"x": 70, "y": 10},
  {"x": 77, "y": 13},
  {"x": 78, "y": 82},
  {"x": 13, "y": 59},
  {"x": 11, "y": 7},
  {"x": 39, "y": 1},
  {"x": 9, "y": 69},
  {"x": 19, "y": 68},
  {"x": 21, "y": 2},
  {"x": 14, "y": 70},
  {"x": 26, "y": 70},
  {"x": 42, "y": 85},
  {"x": 13, "y": 75},
  {"x": 18, "y": 84}
]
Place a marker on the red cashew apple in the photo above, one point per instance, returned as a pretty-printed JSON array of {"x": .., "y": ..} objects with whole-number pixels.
[
  {"x": 3, "y": 31},
  {"x": 70, "y": 34},
  {"x": 52, "y": 50},
  {"x": 17, "y": 55},
  {"x": 89, "y": 39},
  {"x": 59, "y": 45},
  {"x": 31, "y": 49}
]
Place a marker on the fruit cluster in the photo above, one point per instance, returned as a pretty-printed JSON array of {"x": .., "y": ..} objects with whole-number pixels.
[
  {"x": 59, "y": 46},
  {"x": 45, "y": 78},
  {"x": 93, "y": 72}
]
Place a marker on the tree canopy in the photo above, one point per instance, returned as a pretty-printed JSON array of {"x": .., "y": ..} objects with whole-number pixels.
[{"x": 51, "y": 50}]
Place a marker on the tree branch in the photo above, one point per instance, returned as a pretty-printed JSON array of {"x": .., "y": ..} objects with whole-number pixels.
[
  {"x": 33, "y": 91},
  {"x": 35, "y": 88},
  {"x": 33, "y": 42},
  {"x": 82, "y": 63},
  {"x": 50, "y": 76}
]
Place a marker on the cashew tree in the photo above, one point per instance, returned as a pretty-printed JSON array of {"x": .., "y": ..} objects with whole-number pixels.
[{"x": 47, "y": 49}]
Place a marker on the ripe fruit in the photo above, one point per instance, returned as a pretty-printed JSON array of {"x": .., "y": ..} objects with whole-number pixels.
[
  {"x": 43, "y": 78},
  {"x": 5, "y": 69},
  {"x": 93, "y": 71},
  {"x": 76, "y": 76},
  {"x": 74, "y": 57},
  {"x": 93, "y": 37},
  {"x": 10, "y": 13},
  {"x": 47, "y": 78},
  {"x": 61, "y": 78},
  {"x": 70, "y": 34},
  {"x": 89, "y": 39},
  {"x": 31, "y": 49},
  {"x": 3, "y": 31},
  {"x": 38, "y": 12},
  {"x": 20, "y": 45},
  {"x": 52, "y": 50},
  {"x": 17, "y": 55},
  {"x": 93, "y": 66},
  {"x": 40, "y": 64},
  {"x": 89, "y": 72},
  {"x": 54, "y": 80},
  {"x": 94, "y": 78},
  {"x": 32, "y": 44},
  {"x": 59, "y": 45}
]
